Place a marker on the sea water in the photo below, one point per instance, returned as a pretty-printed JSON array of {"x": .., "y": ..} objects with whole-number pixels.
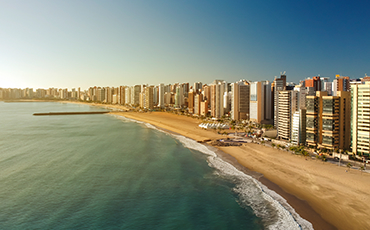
[{"x": 109, "y": 172}]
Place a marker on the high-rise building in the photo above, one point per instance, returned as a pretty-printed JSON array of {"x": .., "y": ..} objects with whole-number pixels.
[
  {"x": 341, "y": 83},
  {"x": 100, "y": 95},
  {"x": 197, "y": 103},
  {"x": 328, "y": 87},
  {"x": 179, "y": 98},
  {"x": 64, "y": 93},
  {"x": 161, "y": 95},
  {"x": 197, "y": 87},
  {"x": 191, "y": 101},
  {"x": 204, "y": 108},
  {"x": 115, "y": 99},
  {"x": 217, "y": 92},
  {"x": 314, "y": 83},
  {"x": 240, "y": 98},
  {"x": 360, "y": 120},
  {"x": 260, "y": 102},
  {"x": 167, "y": 98},
  {"x": 79, "y": 93},
  {"x": 278, "y": 85},
  {"x": 286, "y": 108},
  {"x": 30, "y": 93},
  {"x": 122, "y": 95},
  {"x": 155, "y": 95},
  {"x": 206, "y": 91},
  {"x": 135, "y": 95},
  {"x": 128, "y": 95},
  {"x": 298, "y": 135},
  {"x": 149, "y": 96},
  {"x": 328, "y": 120},
  {"x": 227, "y": 102},
  {"x": 185, "y": 90},
  {"x": 108, "y": 95}
]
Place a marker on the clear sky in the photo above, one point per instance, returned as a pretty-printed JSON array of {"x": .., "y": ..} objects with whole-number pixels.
[{"x": 68, "y": 44}]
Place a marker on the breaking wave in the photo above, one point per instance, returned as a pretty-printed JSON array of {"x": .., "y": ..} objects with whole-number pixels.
[{"x": 273, "y": 209}]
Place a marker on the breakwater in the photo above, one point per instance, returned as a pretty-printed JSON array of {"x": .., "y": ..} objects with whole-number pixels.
[{"x": 70, "y": 113}]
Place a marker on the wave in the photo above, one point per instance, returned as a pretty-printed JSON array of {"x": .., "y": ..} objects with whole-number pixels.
[
  {"x": 273, "y": 209},
  {"x": 266, "y": 204}
]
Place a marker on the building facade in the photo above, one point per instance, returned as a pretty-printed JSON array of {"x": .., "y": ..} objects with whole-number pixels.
[
  {"x": 240, "y": 98},
  {"x": 360, "y": 119}
]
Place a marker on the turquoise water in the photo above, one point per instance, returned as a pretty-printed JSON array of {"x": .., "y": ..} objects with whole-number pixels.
[{"x": 106, "y": 172}]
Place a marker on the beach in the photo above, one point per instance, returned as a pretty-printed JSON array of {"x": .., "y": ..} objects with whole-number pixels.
[{"x": 325, "y": 194}]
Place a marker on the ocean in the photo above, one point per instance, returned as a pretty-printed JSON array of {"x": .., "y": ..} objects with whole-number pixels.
[{"x": 109, "y": 172}]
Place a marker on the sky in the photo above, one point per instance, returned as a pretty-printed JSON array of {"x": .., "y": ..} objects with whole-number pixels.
[{"x": 70, "y": 44}]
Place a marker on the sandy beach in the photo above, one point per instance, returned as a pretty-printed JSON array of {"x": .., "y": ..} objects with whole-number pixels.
[{"x": 323, "y": 193}]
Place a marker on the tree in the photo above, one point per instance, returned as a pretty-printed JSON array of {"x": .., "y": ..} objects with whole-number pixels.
[
  {"x": 283, "y": 147},
  {"x": 349, "y": 165},
  {"x": 273, "y": 145},
  {"x": 362, "y": 168},
  {"x": 323, "y": 158},
  {"x": 263, "y": 142},
  {"x": 305, "y": 153},
  {"x": 278, "y": 146}
]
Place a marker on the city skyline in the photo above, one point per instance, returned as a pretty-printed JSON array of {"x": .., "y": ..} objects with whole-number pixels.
[{"x": 83, "y": 44}]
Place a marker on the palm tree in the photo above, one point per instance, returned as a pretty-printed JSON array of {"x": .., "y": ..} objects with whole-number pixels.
[
  {"x": 349, "y": 165},
  {"x": 305, "y": 153},
  {"x": 362, "y": 168}
]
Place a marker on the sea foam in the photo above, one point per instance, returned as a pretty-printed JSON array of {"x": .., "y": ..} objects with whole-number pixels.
[
  {"x": 266, "y": 204},
  {"x": 273, "y": 209}
]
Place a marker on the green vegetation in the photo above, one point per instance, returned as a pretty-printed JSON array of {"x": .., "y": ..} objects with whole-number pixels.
[
  {"x": 362, "y": 168},
  {"x": 305, "y": 153},
  {"x": 349, "y": 165}
]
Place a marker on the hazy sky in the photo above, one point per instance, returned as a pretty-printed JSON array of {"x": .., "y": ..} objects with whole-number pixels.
[{"x": 110, "y": 43}]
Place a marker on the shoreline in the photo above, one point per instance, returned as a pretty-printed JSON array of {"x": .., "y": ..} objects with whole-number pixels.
[
  {"x": 313, "y": 188},
  {"x": 300, "y": 206},
  {"x": 323, "y": 194}
]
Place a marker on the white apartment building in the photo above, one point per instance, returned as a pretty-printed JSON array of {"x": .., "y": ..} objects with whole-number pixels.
[{"x": 360, "y": 119}]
